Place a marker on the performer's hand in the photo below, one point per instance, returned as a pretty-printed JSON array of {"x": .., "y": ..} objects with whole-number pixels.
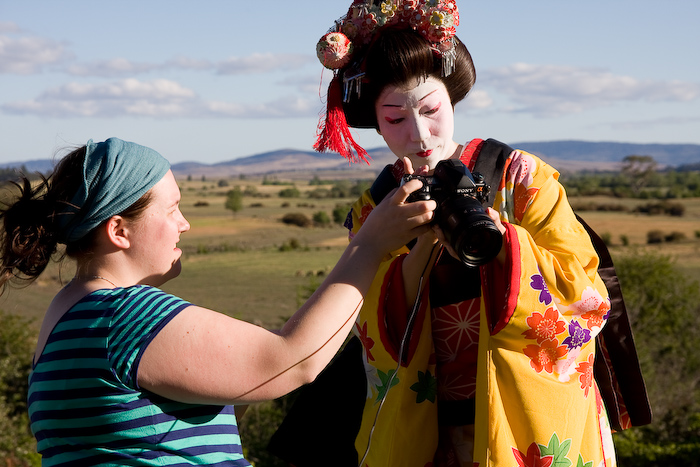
[{"x": 408, "y": 168}]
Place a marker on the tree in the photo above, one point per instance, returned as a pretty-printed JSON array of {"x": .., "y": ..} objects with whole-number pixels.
[
  {"x": 638, "y": 170},
  {"x": 234, "y": 200}
]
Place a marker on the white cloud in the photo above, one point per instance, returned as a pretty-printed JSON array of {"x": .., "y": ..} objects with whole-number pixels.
[
  {"x": 126, "y": 97},
  {"x": 157, "y": 98},
  {"x": 262, "y": 63},
  {"x": 186, "y": 63},
  {"x": 7, "y": 27},
  {"x": 551, "y": 90},
  {"x": 645, "y": 125},
  {"x": 123, "y": 67},
  {"x": 476, "y": 99},
  {"x": 25, "y": 54},
  {"x": 110, "y": 68},
  {"x": 288, "y": 107},
  {"x": 28, "y": 55}
]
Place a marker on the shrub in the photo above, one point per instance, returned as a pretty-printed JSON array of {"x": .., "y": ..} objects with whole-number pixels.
[
  {"x": 675, "y": 209},
  {"x": 319, "y": 193},
  {"x": 251, "y": 190},
  {"x": 292, "y": 244},
  {"x": 296, "y": 218},
  {"x": 256, "y": 427},
  {"x": 17, "y": 341},
  {"x": 340, "y": 213},
  {"x": 664, "y": 314},
  {"x": 670, "y": 209},
  {"x": 321, "y": 218},
  {"x": 289, "y": 193},
  {"x": 675, "y": 237},
  {"x": 655, "y": 236},
  {"x": 606, "y": 207}
]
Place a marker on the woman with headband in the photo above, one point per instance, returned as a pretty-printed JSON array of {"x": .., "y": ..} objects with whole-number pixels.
[
  {"x": 125, "y": 374},
  {"x": 468, "y": 360}
]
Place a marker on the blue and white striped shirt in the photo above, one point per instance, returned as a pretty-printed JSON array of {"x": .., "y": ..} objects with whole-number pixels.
[{"x": 86, "y": 407}]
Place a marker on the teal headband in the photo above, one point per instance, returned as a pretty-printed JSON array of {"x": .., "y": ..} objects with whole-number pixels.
[{"x": 116, "y": 174}]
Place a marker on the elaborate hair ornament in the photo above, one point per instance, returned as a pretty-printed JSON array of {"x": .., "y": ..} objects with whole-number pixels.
[
  {"x": 338, "y": 50},
  {"x": 435, "y": 20}
]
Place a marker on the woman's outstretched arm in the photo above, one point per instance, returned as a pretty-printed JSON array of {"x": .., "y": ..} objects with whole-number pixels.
[{"x": 203, "y": 356}]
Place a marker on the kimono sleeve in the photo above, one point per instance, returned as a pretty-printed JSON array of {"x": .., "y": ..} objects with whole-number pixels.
[{"x": 548, "y": 232}]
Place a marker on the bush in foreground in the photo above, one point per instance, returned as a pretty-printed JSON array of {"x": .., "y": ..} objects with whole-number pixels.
[{"x": 17, "y": 342}]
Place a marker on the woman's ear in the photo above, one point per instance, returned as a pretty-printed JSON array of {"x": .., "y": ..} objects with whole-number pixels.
[{"x": 117, "y": 232}]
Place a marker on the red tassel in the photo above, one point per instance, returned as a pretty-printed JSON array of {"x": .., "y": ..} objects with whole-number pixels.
[{"x": 333, "y": 131}]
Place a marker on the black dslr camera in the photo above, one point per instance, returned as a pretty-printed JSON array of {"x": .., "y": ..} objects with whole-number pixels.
[{"x": 459, "y": 214}]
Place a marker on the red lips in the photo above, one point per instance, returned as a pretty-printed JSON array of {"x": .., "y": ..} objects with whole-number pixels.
[{"x": 424, "y": 153}]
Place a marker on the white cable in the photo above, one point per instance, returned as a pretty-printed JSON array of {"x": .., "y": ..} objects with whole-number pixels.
[{"x": 406, "y": 334}]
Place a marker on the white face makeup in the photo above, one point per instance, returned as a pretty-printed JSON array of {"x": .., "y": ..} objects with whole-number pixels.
[{"x": 418, "y": 122}]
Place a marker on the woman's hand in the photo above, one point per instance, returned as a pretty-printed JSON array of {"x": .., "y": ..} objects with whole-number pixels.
[{"x": 394, "y": 222}]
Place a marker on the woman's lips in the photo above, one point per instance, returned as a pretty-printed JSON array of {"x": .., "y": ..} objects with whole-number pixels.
[{"x": 424, "y": 153}]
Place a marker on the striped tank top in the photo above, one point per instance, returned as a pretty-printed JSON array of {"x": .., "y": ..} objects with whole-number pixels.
[{"x": 86, "y": 407}]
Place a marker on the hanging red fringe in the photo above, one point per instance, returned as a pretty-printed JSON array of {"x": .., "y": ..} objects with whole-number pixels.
[{"x": 333, "y": 131}]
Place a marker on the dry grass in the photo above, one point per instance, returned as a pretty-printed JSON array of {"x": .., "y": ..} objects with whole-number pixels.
[{"x": 233, "y": 263}]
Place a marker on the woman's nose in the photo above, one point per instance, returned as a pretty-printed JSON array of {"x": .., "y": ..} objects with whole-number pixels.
[
  {"x": 184, "y": 225},
  {"x": 419, "y": 130}
]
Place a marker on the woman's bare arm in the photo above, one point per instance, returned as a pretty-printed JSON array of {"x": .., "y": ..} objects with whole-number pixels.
[{"x": 203, "y": 356}]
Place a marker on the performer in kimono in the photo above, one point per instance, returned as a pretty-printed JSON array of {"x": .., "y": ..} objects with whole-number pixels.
[{"x": 466, "y": 364}]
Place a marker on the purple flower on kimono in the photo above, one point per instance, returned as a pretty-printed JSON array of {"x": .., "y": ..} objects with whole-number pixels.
[
  {"x": 537, "y": 283},
  {"x": 348, "y": 221},
  {"x": 577, "y": 336}
]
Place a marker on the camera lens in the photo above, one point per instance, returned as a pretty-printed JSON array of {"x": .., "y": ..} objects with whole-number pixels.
[{"x": 469, "y": 230}]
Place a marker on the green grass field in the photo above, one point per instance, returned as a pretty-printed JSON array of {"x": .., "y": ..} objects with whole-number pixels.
[{"x": 233, "y": 263}]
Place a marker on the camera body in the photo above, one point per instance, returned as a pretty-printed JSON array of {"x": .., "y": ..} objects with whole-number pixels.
[{"x": 459, "y": 195}]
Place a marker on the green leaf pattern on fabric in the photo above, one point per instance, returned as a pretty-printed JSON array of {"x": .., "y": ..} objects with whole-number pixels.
[
  {"x": 426, "y": 387},
  {"x": 558, "y": 451},
  {"x": 386, "y": 379}
]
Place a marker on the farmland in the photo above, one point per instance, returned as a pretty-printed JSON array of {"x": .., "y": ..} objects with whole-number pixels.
[{"x": 252, "y": 266}]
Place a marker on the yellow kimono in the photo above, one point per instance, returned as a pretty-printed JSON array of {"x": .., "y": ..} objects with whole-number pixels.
[{"x": 537, "y": 403}]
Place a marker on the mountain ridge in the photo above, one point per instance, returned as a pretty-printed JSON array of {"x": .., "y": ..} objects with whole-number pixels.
[{"x": 565, "y": 155}]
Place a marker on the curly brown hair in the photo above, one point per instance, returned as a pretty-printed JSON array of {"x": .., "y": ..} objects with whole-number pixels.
[{"x": 29, "y": 236}]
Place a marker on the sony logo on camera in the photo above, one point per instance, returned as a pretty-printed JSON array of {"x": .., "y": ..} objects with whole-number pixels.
[{"x": 460, "y": 215}]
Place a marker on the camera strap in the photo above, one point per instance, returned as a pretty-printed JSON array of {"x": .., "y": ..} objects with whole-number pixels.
[{"x": 488, "y": 158}]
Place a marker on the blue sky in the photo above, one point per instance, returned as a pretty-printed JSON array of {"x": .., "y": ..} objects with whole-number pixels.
[{"x": 215, "y": 80}]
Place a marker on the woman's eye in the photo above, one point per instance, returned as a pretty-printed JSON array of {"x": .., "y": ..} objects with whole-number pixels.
[
  {"x": 393, "y": 121},
  {"x": 433, "y": 110}
]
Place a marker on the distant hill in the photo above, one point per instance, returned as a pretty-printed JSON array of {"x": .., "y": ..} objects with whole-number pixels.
[
  {"x": 570, "y": 156},
  {"x": 673, "y": 155},
  {"x": 37, "y": 165}
]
